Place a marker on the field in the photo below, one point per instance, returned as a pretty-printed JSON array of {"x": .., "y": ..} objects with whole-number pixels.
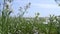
[{"x": 27, "y": 25}]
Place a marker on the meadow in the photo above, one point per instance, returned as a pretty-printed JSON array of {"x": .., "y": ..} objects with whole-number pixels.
[{"x": 29, "y": 25}]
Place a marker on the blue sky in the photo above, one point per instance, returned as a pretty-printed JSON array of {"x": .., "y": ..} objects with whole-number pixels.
[{"x": 44, "y": 7}]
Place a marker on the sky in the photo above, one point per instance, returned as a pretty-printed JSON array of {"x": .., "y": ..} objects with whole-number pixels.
[{"x": 44, "y": 7}]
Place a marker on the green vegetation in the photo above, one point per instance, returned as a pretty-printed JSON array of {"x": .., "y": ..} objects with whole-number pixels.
[{"x": 22, "y": 25}]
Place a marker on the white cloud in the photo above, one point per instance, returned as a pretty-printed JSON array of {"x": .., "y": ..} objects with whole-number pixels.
[{"x": 46, "y": 5}]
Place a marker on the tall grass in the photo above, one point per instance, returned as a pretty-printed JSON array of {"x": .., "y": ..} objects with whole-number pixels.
[{"x": 22, "y": 25}]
